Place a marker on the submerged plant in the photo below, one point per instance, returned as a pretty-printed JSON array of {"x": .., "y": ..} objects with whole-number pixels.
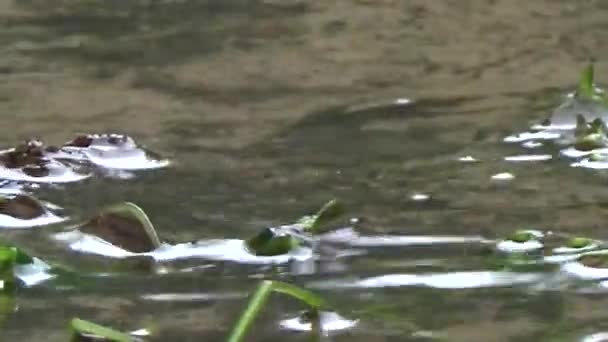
[
  {"x": 281, "y": 240},
  {"x": 259, "y": 298},
  {"x": 82, "y": 330}
]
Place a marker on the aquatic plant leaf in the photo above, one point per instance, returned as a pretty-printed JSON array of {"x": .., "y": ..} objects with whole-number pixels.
[
  {"x": 328, "y": 213},
  {"x": 270, "y": 243},
  {"x": 591, "y": 142},
  {"x": 585, "y": 84},
  {"x": 82, "y": 329},
  {"x": 124, "y": 225},
  {"x": 578, "y": 242},
  {"x": 522, "y": 236},
  {"x": 8, "y": 259},
  {"x": 259, "y": 299}
]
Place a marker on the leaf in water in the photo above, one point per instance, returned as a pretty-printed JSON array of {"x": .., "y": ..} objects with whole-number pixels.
[
  {"x": 591, "y": 142},
  {"x": 82, "y": 330},
  {"x": 124, "y": 225},
  {"x": 585, "y": 84},
  {"x": 579, "y": 242},
  {"x": 8, "y": 259},
  {"x": 269, "y": 242},
  {"x": 522, "y": 236},
  {"x": 327, "y": 214},
  {"x": 22, "y": 207}
]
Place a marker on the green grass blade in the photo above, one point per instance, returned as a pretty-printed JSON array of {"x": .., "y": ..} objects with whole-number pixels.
[
  {"x": 585, "y": 84},
  {"x": 255, "y": 305},
  {"x": 79, "y": 326},
  {"x": 259, "y": 299}
]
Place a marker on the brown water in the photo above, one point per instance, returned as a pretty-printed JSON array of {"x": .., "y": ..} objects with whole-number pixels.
[{"x": 270, "y": 108}]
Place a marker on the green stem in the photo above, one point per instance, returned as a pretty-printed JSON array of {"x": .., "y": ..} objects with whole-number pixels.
[
  {"x": 255, "y": 305},
  {"x": 259, "y": 299}
]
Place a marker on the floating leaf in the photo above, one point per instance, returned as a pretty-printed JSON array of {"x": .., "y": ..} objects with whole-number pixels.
[
  {"x": 270, "y": 242},
  {"x": 579, "y": 242},
  {"x": 88, "y": 331},
  {"x": 259, "y": 299},
  {"x": 124, "y": 225}
]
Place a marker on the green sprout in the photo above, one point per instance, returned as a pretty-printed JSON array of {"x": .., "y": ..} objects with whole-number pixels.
[
  {"x": 82, "y": 330},
  {"x": 259, "y": 299},
  {"x": 586, "y": 87},
  {"x": 327, "y": 214}
]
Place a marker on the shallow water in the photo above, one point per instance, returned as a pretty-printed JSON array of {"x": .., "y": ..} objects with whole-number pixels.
[{"x": 267, "y": 109}]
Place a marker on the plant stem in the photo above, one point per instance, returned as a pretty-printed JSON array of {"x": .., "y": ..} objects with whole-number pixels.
[{"x": 255, "y": 305}]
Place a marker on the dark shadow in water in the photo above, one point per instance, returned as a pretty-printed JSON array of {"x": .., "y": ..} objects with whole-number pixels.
[{"x": 126, "y": 33}]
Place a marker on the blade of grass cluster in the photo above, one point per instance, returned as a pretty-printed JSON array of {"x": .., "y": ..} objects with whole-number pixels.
[{"x": 259, "y": 299}]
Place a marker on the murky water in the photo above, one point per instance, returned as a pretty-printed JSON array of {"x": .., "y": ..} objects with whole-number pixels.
[{"x": 267, "y": 109}]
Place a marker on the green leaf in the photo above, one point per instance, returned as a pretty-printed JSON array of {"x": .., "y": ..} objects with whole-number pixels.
[
  {"x": 81, "y": 328},
  {"x": 259, "y": 299},
  {"x": 591, "y": 142},
  {"x": 8, "y": 258},
  {"x": 578, "y": 242},
  {"x": 328, "y": 213},
  {"x": 270, "y": 243},
  {"x": 585, "y": 84},
  {"x": 522, "y": 236}
]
